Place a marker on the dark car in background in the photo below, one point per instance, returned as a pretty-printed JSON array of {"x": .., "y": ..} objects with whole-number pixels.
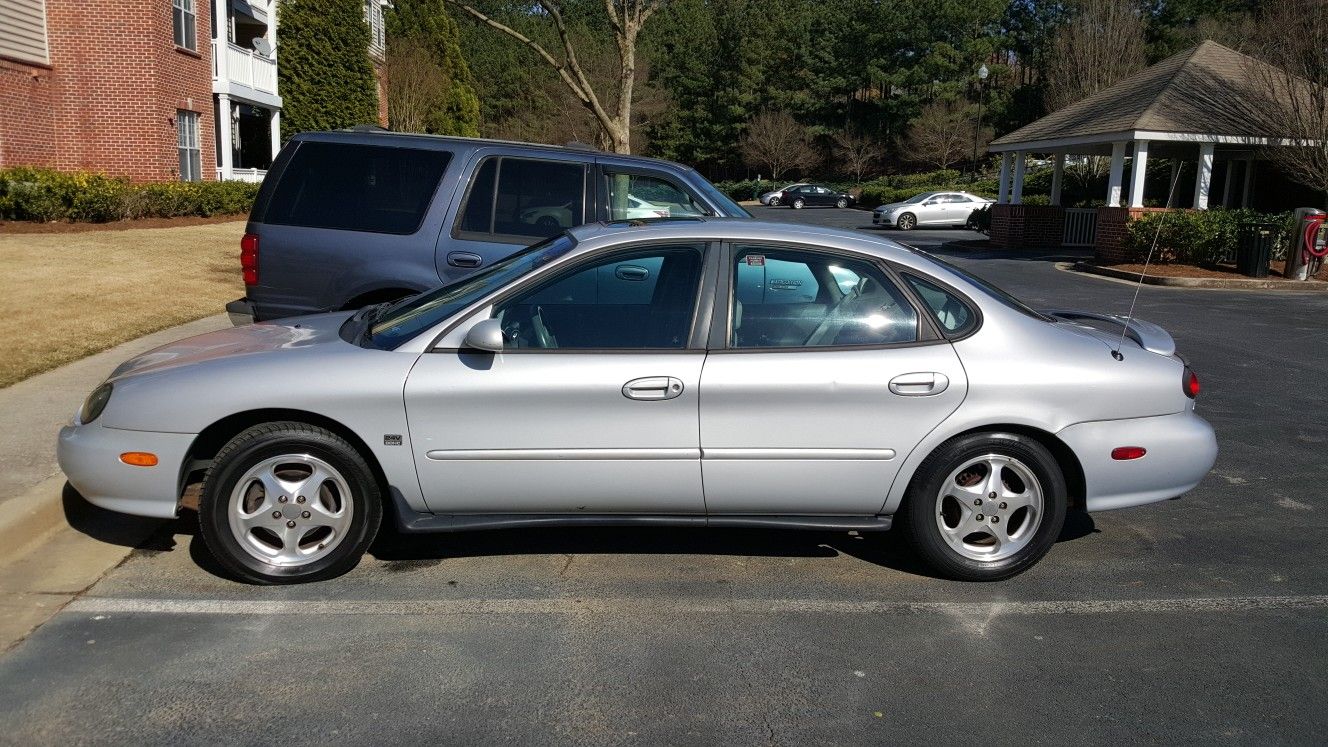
[
  {"x": 815, "y": 195},
  {"x": 349, "y": 219}
]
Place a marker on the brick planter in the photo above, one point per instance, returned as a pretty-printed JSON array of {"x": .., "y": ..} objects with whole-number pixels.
[
  {"x": 1014, "y": 226},
  {"x": 1109, "y": 242}
]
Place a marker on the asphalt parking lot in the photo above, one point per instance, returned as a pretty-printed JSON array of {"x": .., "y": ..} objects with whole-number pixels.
[{"x": 1198, "y": 620}]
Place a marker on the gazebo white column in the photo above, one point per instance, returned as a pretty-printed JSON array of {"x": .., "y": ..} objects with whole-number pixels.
[
  {"x": 1057, "y": 175},
  {"x": 1138, "y": 173},
  {"x": 1117, "y": 172},
  {"x": 1004, "y": 194},
  {"x": 1203, "y": 180},
  {"x": 1020, "y": 164}
]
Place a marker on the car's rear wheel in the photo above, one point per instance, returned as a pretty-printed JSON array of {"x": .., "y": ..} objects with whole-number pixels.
[
  {"x": 798, "y": 203},
  {"x": 289, "y": 502},
  {"x": 906, "y": 222},
  {"x": 986, "y": 506},
  {"x": 841, "y": 203}
]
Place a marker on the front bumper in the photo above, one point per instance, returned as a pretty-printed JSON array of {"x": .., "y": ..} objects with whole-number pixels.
[
  {"x": 882, "y": 219},
  {"x": 1181, "y": 449},
  {"x": 89, "y": 455}
]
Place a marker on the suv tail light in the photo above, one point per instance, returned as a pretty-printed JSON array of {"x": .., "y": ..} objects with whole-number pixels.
[
  {"x": 1190, "y": 383},
  {"x": 249, "y": 258}
]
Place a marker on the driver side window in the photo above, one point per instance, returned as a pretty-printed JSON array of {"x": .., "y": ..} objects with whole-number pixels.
[{"x": 639, "y": 300}]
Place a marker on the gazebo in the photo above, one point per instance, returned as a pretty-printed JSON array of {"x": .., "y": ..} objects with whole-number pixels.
[{"x": 1192, "y": 106}]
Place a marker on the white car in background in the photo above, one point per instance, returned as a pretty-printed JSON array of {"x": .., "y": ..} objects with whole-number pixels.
[
  {"x": 930, "y": 209},
  {"x": 773, "y": 199},
  {"x": 560, "y": 216}
]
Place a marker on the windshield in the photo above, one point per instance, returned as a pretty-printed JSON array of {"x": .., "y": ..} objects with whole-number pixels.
[
  {"x": 992, "y": 290},
  {"x": 726, "y": 205},
  {"x": 919, "y": 198},
  {"x": 409, "y": 317}
]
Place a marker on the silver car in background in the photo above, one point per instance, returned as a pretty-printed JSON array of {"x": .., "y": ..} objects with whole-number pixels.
[
  {"x": 707, "y": 372},
  {"x": 930, "y": 209}
]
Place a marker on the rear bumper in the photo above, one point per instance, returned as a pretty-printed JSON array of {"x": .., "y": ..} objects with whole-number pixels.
[
  {"x": 241, "y": 312},
  {"x": 89, "y": 455},
  {"x": 245, "y": 311},
  {"x": 1181, "y": 449}
]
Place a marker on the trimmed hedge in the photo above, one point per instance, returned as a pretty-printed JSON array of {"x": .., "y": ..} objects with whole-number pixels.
[
  {"x": 1198, "y": 237},
  {"x": 49, "y": 195}
]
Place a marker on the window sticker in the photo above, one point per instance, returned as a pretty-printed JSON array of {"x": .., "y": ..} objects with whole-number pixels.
[{"x": 755, "y": 260}]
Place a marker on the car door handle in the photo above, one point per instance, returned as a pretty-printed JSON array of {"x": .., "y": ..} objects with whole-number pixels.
[
  {"x": 921, "y": 384},
  {"x": 464, "y": 259},
  {"x": 653, "y": 388}
]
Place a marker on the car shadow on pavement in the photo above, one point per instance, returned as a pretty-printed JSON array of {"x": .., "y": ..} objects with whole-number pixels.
[{"x": 107, "y": 526}]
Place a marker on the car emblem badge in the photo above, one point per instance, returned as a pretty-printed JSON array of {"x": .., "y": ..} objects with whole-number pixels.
[{"x": 391, "y": 439}]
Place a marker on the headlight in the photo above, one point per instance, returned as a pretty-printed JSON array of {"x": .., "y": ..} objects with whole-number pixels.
[{"x": 95, "y": 403}]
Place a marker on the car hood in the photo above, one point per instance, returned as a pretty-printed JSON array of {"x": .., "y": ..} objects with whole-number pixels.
[
  {"x": 250, "y": 339},
  {"x": 892, "y": 206}
]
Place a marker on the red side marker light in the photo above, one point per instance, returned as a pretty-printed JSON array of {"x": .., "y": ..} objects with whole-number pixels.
[
  {"x": 1190, "y": 383},
  {"x": 1124, "y": 453},
  {"x": 249, "y": 258}
]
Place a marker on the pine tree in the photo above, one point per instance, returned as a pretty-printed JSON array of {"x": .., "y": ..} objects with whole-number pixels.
[
  {"x": 325, "y": 76},
  {"x": 426, "y": 25}
]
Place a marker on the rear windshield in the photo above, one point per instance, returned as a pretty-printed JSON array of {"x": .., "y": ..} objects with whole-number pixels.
[{"x": 357, "y": 187}]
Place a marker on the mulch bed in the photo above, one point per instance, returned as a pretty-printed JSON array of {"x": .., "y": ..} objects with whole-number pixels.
[
  {"x": 18, "y": 226},
  {"x": 1221, "y": 272}
]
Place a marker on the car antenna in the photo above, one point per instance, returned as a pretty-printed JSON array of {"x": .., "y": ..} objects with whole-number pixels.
[{"x": 1171, "y": 196}]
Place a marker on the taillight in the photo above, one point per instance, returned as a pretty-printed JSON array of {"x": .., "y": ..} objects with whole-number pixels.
[
  {"x": 1190, "y": 383},
  {"x": 249, "y": 258}
]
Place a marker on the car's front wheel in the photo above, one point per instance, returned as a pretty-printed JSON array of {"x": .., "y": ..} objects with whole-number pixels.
[
  {"x": 986, "y": 506},
  {"x": 289, "y": 502},
  {"x": 906, "y": 222},
  {"x": 774, "y": 202}
]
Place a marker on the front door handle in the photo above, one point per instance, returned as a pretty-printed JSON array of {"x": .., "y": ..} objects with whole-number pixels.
[
  {"x": 653, "y": 388},
  {"x": 920, "y": 384},
  {"x": 464, "y": 259}
]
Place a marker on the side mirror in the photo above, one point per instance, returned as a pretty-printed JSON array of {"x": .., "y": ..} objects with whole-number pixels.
[{"x": 486, "y": 335}]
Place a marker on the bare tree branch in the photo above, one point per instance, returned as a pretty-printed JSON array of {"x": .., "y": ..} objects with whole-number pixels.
[
  {"x": 1102, "y": 43},
  {"x": 775, "y": 141}
]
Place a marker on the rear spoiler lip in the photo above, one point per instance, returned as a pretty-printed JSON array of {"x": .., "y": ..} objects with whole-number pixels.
[{"x": 1147, "y": 335}]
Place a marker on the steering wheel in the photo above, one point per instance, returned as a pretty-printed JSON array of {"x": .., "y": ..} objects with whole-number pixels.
[{"x": 543, "y": 336}]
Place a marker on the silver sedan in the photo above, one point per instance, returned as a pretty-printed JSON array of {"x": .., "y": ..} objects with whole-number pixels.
[
  {"x": 698, "y": 373},
  {"x": 930, "y": 209}
]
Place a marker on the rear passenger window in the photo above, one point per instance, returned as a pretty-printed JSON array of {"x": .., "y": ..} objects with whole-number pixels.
[
  {"x": 524, "y": 199},
  {"x": 951, "y": 313},
  {"x": 793, "y": 299},
  {"x": 357, "y": 187}
]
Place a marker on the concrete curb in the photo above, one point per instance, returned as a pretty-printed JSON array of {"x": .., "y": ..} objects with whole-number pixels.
[
  {"x": 1210, "y": 283},
  {"x": 31, "y": 484}
]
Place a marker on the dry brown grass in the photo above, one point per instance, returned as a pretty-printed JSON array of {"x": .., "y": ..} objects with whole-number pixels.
[{"x": 66, "y": 296}]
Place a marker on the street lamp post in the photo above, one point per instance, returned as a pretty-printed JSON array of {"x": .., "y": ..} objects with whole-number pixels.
[{"x": 983, "y": 72}]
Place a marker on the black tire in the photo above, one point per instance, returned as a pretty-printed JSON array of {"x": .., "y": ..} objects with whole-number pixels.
[
  {"x": 924, "y": 500},
  {"x": 841, "y": 203},
  {"x": 906, "y": 222},
  {"x": 798, "y": 203},
  {"x": 774, "y": 202},
  {"x": 270, "y": 440}
]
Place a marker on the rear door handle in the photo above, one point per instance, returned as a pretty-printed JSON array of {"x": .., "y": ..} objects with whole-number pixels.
[
  {"x": 464, "y": 259},
  {"x": 920, "y": 384},
  {"x": 653, "y": 388}
]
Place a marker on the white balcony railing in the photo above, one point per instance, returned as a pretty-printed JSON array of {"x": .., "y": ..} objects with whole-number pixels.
[
  {"x": 246, "y": 67},
  {"x": 242, "y": 175}
]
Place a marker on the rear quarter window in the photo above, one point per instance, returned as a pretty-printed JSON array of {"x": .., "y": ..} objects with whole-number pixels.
[{"x": 352, "y": 187}]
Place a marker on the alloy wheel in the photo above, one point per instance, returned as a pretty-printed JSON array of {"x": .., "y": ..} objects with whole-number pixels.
[
  {"x": 290, "y": 510},
  {"x": 990, "y": 507}
]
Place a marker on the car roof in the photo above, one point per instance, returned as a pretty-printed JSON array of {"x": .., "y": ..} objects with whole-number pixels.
[
  {"x": 595, "y": 235},
  {"x": 387, "y": 137}
]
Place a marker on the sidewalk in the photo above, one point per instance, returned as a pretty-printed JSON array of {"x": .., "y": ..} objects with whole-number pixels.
[{"x": 31, "y": 414}]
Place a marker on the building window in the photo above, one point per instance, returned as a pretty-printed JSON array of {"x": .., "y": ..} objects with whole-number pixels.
[
  {"x": 23, "y": 30},
  {"x": 373, "y": 15},
  {"x": 191, "y": 158},
  {"x": 185, "y": 21}
]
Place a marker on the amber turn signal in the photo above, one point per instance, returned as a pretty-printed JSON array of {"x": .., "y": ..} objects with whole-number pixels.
[{"x": 139, "y": 459}]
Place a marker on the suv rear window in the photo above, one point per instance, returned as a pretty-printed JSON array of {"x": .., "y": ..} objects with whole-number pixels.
[{"x": 357, "y": 187}]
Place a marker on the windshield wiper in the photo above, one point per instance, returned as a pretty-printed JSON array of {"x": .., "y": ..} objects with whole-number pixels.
[{"x": 366, "y": 318}]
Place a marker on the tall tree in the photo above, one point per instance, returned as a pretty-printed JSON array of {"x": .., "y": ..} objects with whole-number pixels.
[
  {"x": 1102, "y": 43},
  {"x": 326, "y": 79},
  {"x": 1292, "y": 96},
  {"x": 625, "y": 19},
  {"x": 942, "y": 135},
  {"x": 423, "y": 47}
]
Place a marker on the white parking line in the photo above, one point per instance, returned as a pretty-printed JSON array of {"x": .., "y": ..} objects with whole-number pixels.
[{"x": 562, "y": 606}]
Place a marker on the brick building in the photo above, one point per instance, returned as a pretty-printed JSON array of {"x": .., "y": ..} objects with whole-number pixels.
[{"x": 154, "y": 90}]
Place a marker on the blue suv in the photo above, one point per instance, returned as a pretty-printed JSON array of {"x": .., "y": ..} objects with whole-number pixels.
[{"x": 351, "y": 218}]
